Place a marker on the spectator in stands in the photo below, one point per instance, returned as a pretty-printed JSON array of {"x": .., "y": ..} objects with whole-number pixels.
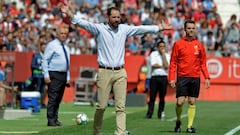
[
  {"x": 203, "y": 29},
  {"x": 135, "y": 17},
  {"x": 169, "y": 4},
  {"x": 20, "y": 46},
  {"x": 196, "y": 4},
  {"x": 182, "y": 7},
  {"x": 130, "y": 5},
  {"x": 42, "y": 5},
  {"x": 209, "y": 41},
  {"x": 233, "y": 34},
  {"x": 178, "y": 21},
  {"x": 91, "y": 17},
  {"x": 198, "y": 14},
  {"x": 148, "y": 44},
  {"x": 232, "y": 39},
  {"x": 10, "y": 42},
  {"x": 118, "y": 3},
  {"x": 232, "y": 19},
  {"x": 226, "y": 51},
  {"x": 7, "y": 24},
  {"x": 219, "y": 51},
  {"x": 72, "y": 48},
  {"x": 145, "y": 14},
  {"x": 91, "y": 3},
  {"x": 111, "y": 61},
  {"x": 178, "y": 34},
  {"x": 220, "y": 39},
  {"x": 159, "y": 60},
  {"x": 13, "y": 9},
  {"x": 214, "y": 18},
  {"x": 208, "y": 6},
  {"x": 157, "y": 5}
]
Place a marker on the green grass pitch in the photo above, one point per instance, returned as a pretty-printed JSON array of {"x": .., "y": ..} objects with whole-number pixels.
[{"x": 212, "y": 118}]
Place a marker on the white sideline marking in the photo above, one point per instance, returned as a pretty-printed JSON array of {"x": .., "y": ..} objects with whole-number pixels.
[
  {"x": 19, "y": 132},
  {"x": 26, "y": 119},
  {"x": 69, "y": 112},
  {"x": 175, "y": 118},
  {"x": 233, "y": 131}
]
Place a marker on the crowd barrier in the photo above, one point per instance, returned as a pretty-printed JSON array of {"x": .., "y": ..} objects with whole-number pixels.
[{"x": 224, "y": 72}]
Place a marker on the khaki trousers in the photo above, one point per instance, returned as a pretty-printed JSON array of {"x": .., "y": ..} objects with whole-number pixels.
[{"x": 108, "y": 80}]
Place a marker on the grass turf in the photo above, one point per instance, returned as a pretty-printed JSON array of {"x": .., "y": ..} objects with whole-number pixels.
[{"x": 212, "y": 118}]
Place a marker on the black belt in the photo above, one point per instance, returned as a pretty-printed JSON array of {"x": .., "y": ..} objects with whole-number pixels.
[
  {"x": 111, "y": 68},
  {"x": 61, "y": 72}
]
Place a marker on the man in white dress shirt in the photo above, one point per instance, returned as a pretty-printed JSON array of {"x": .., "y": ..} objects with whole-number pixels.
[{"x": 159, "y": 60}]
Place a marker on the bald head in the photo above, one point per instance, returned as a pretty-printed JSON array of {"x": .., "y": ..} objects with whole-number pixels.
[{"x": 62, "y": 32}]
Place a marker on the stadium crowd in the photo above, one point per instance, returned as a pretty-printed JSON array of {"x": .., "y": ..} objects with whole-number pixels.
[{"x": 25, "y": 24}]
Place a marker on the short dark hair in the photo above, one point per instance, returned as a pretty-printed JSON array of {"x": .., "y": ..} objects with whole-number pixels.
[
  {"x": 209, "y": 33},
  {"x": 159, "y": 42},
  {"x": 109, "y": 10},
  {"x": 188, "y": 21}
]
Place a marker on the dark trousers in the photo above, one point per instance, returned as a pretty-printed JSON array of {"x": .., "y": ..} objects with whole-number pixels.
[
  {"x": 55, "y": 94},
  {"x": 39, "y": 86},
  {"x": 158, "y": 85}
]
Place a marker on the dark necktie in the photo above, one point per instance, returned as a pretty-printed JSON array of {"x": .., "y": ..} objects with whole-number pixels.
[{"x": 66, "y": 56}]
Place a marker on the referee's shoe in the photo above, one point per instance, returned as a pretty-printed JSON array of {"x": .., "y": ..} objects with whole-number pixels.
[
  {"x": 191, "y": 130},
  {"x": 178, "y": 127}
]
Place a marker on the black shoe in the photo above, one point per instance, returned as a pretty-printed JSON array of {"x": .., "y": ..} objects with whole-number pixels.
[
  {"x": 178, "y": 127},
  {"x": 53, "y": 124},
  {"x": 191, "y": 130},
  {"x": 148, "y": 116},
  {"x": 58, "y": 123}
]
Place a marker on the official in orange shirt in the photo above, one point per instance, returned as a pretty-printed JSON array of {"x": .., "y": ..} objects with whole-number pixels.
[{"x": 188, "y": 58}]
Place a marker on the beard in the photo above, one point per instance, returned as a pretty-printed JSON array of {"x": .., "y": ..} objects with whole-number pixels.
[{"x": 114, "y": 25}]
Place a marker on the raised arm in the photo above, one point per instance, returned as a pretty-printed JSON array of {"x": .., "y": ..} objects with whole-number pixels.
[
  {"x": 164, "y": 26},
  {"x": 68, "y": 11},
  {"x": 143, "y": 29}
]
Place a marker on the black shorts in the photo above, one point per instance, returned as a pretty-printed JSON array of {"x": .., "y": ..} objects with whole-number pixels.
[{"x": 188, "y": 86}]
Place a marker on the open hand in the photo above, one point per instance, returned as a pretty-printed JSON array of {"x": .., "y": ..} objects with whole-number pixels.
[
  {"x": 66, "y": 9},
  {"x": 207, "y": 83},
  {"x": 172, "y": 84},
  {"x": 47, "y": 80},
  {"x": 63, "y": 7},
  {"x": 164, "y": 26}
]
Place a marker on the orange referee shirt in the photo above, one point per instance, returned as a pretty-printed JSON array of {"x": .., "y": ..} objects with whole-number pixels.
[{"x": 188, "y": 58}]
